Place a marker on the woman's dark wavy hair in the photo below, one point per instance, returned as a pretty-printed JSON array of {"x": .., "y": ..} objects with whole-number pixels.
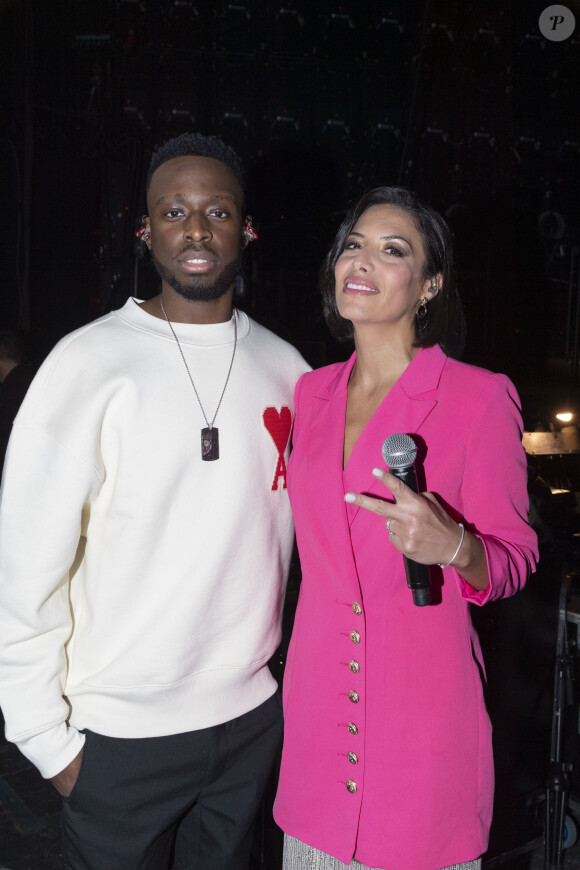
[{"x": 444, "y": 323}]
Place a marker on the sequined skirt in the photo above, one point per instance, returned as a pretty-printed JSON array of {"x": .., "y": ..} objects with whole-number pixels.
[{"x": 299, "y": 856}]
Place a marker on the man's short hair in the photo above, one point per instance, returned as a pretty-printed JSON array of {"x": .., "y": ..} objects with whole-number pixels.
[{"x": 198, "y": 145}]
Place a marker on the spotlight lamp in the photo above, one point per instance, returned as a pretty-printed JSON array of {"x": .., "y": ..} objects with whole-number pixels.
[
  {"x": 286, "y": 120},
  {"x": 236, "y": 117},
  {"x": 484, "y": 137},
  {"x": 565, "y": 416},
  {"x": 335, "y": 124},
  {"x": 131, "y": 4}
]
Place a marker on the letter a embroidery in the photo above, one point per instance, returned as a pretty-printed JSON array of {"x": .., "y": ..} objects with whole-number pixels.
[{"x": 279, "y": 424}]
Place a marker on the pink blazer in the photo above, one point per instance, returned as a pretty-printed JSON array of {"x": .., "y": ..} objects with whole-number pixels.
[{"x": 387, "y": 749}]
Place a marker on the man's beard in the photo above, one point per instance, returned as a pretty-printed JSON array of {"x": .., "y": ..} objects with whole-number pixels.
[{"x": 196, "y": 289}]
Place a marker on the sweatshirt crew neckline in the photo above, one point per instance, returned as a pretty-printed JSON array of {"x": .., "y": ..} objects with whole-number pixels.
[{"x": 197, "y": 334}]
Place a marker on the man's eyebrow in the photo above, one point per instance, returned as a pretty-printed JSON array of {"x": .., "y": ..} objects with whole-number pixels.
[{"x": 213, "y": 197}]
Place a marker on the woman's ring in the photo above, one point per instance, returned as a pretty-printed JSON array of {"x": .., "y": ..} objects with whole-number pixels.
[{"x": 388, "y": 525}]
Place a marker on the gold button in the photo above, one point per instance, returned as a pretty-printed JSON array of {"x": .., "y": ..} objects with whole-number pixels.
[
  {"x": 355, "y": 636},
  {"x": 352, "y": 728},
  {"x": 357, "y": 608},
  {"x": 353, "y": 696},
  {"x": 351, "y": 786},
  {"x": 354, "y": 666},
  {"x": 352, "y": 757}
]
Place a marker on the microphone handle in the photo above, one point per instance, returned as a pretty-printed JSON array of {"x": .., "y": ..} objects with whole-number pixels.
[{"x": 418, "y": 579}]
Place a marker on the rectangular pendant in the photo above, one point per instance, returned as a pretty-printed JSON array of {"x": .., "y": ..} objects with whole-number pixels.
[{"x": 210, "y": 444}]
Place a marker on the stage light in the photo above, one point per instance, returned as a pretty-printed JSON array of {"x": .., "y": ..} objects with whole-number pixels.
[
  {"x": 131, "y": 110},
  {"x": 287, "y": 32},
  {"x": 236, "y": 26},
  {"x": 235, "y": 117},
  {"x": 131, "y": 4},
  {"x": 184, "y": 7},
  {"x": 336, "y": 125},
  {"x": 285, "y": 121},
  {"x": 338, "y": 35},
  {"x": 484, "y": 137},
  {"x": 436, "y": 132},
  {"x": 527, "y": 149},
  {"x": 179, "y": 120}
]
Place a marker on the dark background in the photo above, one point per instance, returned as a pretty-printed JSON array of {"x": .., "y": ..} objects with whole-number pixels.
[{"x": 465, "y": 102}]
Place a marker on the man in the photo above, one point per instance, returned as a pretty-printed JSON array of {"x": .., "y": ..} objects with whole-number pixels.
[{"x": 145, "y": 536}]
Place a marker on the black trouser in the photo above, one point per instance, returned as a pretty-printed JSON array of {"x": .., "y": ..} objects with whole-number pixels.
[{"x": 186, "y": 801}]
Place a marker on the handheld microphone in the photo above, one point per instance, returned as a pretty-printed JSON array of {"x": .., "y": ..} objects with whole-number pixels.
[{"x": 400, "y": 452}]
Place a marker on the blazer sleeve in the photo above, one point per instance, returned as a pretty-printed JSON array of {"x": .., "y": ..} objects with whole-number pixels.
[{"x": 495, "y": 496}]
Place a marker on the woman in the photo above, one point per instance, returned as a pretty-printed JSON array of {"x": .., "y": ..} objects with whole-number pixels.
[{"x": 387, "y": 756}]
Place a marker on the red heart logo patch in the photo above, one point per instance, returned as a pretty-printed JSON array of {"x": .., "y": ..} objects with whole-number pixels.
[{"x": 279, "y": 425}]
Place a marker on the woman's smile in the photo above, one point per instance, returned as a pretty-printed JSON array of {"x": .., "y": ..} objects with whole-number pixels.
[{"x": 356, "y": 287}]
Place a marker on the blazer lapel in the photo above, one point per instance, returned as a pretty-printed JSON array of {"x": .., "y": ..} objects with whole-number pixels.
[
  {"x": 404, "y": 409},
  {"x": 325, "y": 451}
]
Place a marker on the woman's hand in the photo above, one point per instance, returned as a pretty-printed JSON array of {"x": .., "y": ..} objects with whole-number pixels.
[{"x": 420, "y": 529}]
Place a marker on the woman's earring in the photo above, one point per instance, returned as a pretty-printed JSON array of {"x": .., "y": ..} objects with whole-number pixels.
[
  {"x": 422, "y": 309},
  {"x": 143, "y": 233},
  {"x": 248, "y": 231},
  {"x": 434, "y": 287}
]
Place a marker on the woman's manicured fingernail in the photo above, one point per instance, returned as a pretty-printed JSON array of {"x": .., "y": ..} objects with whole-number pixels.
[
  {"x": 378, "y": 472},
  {"x": 350, "y": 496}
]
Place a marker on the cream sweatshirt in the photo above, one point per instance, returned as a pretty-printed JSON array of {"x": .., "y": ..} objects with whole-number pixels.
[{"x": 140, "y": 587}]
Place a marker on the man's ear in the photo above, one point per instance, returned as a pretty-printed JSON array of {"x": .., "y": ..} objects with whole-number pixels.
[
  {"x": 249, "y": 234},
  {"x": 147, "y": 225},
  {"x": 144, "y": 231}
]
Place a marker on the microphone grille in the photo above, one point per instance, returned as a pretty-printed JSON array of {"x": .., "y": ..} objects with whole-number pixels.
[{"x": 399, "y": 451}]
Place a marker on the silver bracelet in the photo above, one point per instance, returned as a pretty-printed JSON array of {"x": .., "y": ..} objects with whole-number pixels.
[{"x": 456, "y": 553}]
